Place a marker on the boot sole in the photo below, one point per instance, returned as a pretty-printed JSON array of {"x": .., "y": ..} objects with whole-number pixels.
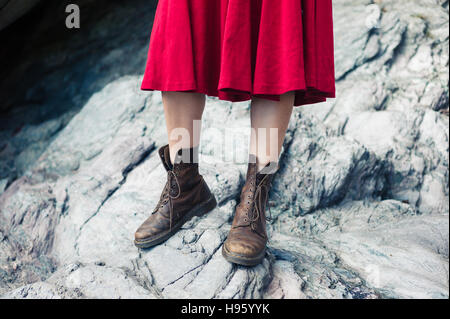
[
  {"x": 242, "y": 260},
  {"x": 198, "y": 210}
]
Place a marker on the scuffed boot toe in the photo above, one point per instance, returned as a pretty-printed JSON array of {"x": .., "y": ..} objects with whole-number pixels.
[
  {"x": 243, "y": 252},
  {"x": 142, "y": 235},
  {"x": 147, "y": 235}
]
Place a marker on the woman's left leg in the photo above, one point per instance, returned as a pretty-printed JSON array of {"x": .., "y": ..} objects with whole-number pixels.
[
  {"x": 247, "y": 239},
  {"x": 269, "y": 121}
]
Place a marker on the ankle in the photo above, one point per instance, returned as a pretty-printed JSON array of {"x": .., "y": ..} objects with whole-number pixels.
[
  {"x": 187, "y": 155},
  {"x": 269, "y": 168},
  {"x": 264, "y": 164},
  {"x": 260, "y": 165}
]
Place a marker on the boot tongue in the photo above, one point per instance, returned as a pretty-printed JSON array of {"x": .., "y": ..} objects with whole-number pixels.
[
  {"x": 164, "y": 153},
  {"x": 252, "y": 169}
]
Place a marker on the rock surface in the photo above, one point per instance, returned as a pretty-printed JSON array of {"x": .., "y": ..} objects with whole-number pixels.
[{"x": 360, "y": 203}]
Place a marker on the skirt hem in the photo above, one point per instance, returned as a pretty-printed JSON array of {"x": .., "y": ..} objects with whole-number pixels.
[{"x": 303, "y": 95}]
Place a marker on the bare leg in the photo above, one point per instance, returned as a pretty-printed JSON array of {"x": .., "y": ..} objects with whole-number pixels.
[
  {"x": 185, "y": 193},
  {"x": 269, "y": 120},
  {"x": 183, "y": 112}
]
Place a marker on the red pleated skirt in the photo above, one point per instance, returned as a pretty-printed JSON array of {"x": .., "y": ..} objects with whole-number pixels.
[{"x": 236, "y": 49}]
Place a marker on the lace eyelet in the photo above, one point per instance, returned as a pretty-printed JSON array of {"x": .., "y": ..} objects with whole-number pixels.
[{"x": 245, "y": 220}]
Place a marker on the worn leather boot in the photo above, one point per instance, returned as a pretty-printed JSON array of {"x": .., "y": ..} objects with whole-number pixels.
[
  {"x": 184, "y": 196},
  {"x": 247, "y": 239}
]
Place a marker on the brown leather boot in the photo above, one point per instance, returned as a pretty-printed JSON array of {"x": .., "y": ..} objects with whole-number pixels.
[
  {"x": 184, "y": 196},
  {"x": 247, "y": 239}
]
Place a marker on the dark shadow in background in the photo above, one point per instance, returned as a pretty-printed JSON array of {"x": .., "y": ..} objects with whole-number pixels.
[{"x": 49, "y": 72}]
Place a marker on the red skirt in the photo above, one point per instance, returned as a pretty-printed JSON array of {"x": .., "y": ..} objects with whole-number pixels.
[{"x": 235, "y": 49}]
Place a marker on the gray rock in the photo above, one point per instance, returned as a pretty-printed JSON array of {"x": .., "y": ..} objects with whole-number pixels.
[
  {"x": 320, "y": 170},
  {"x": 286, "y": 283},
  {"x": 86, "y": 281},
  {"x": 3, "y": 184},
  {"x": 360, "y": 203},
  {"x": 38, "y": 290}
]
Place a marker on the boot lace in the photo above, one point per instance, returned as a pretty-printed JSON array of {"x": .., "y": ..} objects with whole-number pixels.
[
  {"x": 260, "y": 205},
  {"x": 167, "y": 196},
  {"x": 258, "y": 208}
]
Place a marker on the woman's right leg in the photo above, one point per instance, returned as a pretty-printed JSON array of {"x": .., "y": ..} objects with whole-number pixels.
[
  {"x": 183, "y": 113},
  {"x": 185, "y": 194}
]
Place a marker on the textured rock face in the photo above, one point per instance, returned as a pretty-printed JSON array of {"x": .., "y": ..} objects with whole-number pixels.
[{"x": 360, "y": 203}]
